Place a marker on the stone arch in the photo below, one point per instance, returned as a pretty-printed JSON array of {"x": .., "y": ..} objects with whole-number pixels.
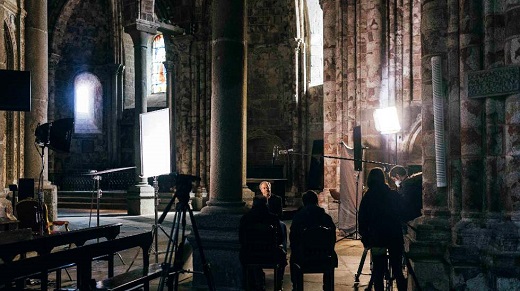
[
  {"x": 260, "y": 146},
  {"x": 62, "y": 19},
  {"x": 411, "y": 147}
]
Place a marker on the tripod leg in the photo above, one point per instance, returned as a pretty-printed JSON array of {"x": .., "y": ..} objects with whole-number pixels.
[
  {"x": 177, "y": 263},
  {"x": 172, "y": 242},
  {"x": 411, "y": 272},
  {"x": 361, "y": 264},
  {"x": 205, "y": 265}
]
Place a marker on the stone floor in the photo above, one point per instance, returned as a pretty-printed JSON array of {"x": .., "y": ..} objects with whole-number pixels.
[{"x": 349, "y": 252}]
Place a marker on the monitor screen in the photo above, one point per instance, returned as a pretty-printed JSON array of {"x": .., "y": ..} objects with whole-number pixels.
[{"x": 15, "y": 92}]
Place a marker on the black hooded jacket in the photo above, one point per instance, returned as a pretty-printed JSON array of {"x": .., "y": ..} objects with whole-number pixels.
[{"x": 379, "y": 219}]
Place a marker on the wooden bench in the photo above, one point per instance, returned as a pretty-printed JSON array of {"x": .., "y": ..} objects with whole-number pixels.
[
  {"x": 82, "y": 257},
  {"x": 19, "y": 242}
]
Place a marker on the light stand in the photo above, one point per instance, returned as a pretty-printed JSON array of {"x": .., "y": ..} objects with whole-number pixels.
[
  {"x": 157, "y": 222},
  {"x": 154, "y": 134},
  {"x": 39, "y": 209},
  {"x": 96, "y": 177},
  {"x": 57, "y": 136}
]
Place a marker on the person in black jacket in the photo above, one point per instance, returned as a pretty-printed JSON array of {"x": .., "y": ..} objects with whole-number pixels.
[
  {"x": 380, "y": 228},
  {"x": 274, "y": 203},
  {"x": 410, "y": 189},
  {"x": 259, "y": 213},
  {"x": 307, "y": 216}
]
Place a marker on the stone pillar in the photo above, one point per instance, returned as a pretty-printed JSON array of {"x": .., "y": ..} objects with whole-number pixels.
[
  {"x": 140, "y": 196},
  {"x": 247, "y": 194},
  {"x": 330, "y": 109},
  {"x": 218, "y": 222},
  {"x": 116, "y": 110},
  {"x": 428, "y": 241},
  {"x": 36, "y": 59},
  {"x": 170, "y": 101},
  {"x": 185, "y": 94},
  {"x": 37, "y": 62},
  {"x": 503, "y": 161},
  {"x": 470, "y": 235}
]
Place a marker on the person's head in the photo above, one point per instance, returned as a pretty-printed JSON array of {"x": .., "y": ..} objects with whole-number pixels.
[
  {"x": 376, "y": 177},
  {"x": 265, "y": 188},
  {"x": 398, "y": 174},
  {"x": 259, "y": 201},
  {"x": 310, "y": 198}
]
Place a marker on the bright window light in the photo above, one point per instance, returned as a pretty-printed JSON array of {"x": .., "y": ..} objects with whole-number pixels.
[
  {"x": 83, "y": 106},
  {"x": 386, "y": 120}
]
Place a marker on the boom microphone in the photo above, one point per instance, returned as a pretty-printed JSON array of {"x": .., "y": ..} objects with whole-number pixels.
[{"x": 275, "y": 153}]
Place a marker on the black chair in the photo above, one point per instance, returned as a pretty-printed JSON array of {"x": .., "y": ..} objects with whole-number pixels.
[
  {"x": 316, "y": 255},
  {"x": 262, "y": 250},
  {"x": 27, "y": 212}
]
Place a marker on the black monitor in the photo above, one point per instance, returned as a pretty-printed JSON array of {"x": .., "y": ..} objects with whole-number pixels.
[
  {"x": 15, "y": 90},
  {"x": 55, "y": 135}
]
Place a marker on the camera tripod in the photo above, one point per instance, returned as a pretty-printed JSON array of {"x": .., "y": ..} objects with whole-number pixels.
[
  {"x": 176, "y": 243},
  {"x": 389, "y": 277}
]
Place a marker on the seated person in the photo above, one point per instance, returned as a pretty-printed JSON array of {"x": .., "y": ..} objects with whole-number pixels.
[
  {"x": 274, "y": 203},
  {"x": 259, "y": 214},
  {"x": 308, "y": 216}
]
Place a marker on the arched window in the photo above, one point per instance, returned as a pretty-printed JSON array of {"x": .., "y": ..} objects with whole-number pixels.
[
  {"x": 88, "y": 104},
  {"x": 158, "y": 70},
  {"x": 315, "y": 14}
]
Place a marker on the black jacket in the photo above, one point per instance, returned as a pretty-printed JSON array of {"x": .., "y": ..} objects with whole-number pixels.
[
  {"x": 275, "y": 205},
  {"x": 260, "y": 215},
  {"x": 379, "y": 219},
  {"x": 308, "y": 216},
  {"x": 411, "y": 197}
]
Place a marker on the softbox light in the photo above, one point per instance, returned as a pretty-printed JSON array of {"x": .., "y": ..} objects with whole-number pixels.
[
  {"x": 155, "y": 142},
  {"x": 55, "y": 135},
  {"x": 386, "y": 120}
]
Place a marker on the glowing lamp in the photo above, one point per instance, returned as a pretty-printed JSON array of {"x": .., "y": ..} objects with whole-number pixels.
[{"x": 386, "y": 120}]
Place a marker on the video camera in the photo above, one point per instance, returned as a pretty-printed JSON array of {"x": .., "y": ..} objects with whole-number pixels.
[{"x": 184, "y": 185}]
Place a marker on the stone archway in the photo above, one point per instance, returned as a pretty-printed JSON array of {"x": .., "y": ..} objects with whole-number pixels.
[{"x": 411, "y": 149}]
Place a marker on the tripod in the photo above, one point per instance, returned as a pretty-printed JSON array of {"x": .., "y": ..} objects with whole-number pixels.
[
  {"x": 389, "y": 276},
  {"x": 175, "y": 248}
]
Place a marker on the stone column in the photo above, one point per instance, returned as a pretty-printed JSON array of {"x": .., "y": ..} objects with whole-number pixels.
[
  {"x": 218, "y": 222},
  {"x": 37, "y": 62},
  {"x": 470, "y": 235},
  {"x": 247, "y": 194},
  {"x": 140, "y": 196},
  {"x": 428, "y": 241},
  {"x": 330, "y": 136},
  {"x": 116, "y": 110},
  {"x": 170, "y": 101},
  {"x": 36, "y": 59}
]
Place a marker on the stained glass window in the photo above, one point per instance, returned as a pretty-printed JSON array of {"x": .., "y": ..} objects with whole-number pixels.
[{"x": 158, "y": 69}]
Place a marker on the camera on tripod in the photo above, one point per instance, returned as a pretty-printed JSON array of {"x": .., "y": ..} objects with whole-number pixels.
[{"x": 184, "y": 184}]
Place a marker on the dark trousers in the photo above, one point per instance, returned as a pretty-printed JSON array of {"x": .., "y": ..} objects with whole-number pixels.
[
  {"x": 256, "y": 279},
  {"x": 380, "y": 265}
]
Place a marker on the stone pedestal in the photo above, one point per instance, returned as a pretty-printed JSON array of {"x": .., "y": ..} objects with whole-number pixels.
[
  {"x": 140, "y": 199},
  {"x": 486, "y": 255},
  {"x": 218, "y": 232},
  {"x": 427, "y": 249}
]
